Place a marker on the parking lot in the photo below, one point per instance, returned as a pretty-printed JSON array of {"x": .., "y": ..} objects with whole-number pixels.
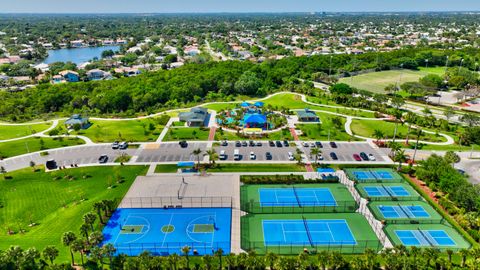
[
  {"x": 170, "y": 152},
  {"x": 344, "y": 152}
]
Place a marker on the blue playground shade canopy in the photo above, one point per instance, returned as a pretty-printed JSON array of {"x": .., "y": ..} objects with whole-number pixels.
[
  {"x": 255, "y": 118},
  {"x": 258, "y": 104},
  {"x": 185, "y": 164},
  {"x": 245, "y": 104}
]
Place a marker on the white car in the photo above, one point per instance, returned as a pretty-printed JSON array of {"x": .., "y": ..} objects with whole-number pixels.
[
  {"x": 252, "y": 156},
  {"x": 312, "y": 144},
  {"x": 319, "y": 157},
  {"x": 222, "y": 155},
  {"x": 305, "y": 144},
  {"x": 290, "y": 156},
  {"x": 371, "y": 157}
]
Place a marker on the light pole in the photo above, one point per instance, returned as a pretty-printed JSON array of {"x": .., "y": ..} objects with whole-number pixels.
[
  {"x": 330, "y": 67},
  {"x": 426, "y": 63},
  {"x": 399, "y": 77},
  {"x": 459, "y": 67},
  {"x": 446, "y": 65}
]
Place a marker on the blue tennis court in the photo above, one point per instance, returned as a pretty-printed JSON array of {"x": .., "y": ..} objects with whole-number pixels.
[
  {"x": 372, "y": 175},
  {"x": 166, "y": 231},
  {"x": 403, "y": 211},
  {"x": 307, "y": 232},
  {"x": 434, "y": 238},
  {"x": 386, "y": 191},
  {"x": 277, "y": 197}
]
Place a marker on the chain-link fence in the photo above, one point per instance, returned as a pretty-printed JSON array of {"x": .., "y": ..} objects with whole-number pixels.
[{"x": 175, "y": 202}]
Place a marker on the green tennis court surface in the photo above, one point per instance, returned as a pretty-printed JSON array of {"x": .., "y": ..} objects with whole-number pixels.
[
  {"x": 301, "y": 198},
  {"x": 441, "y": 236},
  {"x": 203, "y": 228},
  {"x": 292, "y": 233},
  {"x": 404, "y": 212},
  {"x": 381, "y": 175},
  {"x": 387, "y": 192}
]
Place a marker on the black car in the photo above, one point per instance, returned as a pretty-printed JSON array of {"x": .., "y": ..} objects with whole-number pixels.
[
  {"x": 319, "y": 144},
  {"x": 364, "y": 156},
  {"x": 333, "y": 145},
  {"x": 278, "y": 143},
  {"x": 103, "y": 159},
  {"x": 224, "y": 143},
  {"x": 183, "y": 144},
  {"x": 251, "y": 143},
  {"x": 268, "y": 156},
  {"x": 271, "y": 143},
  {"x": 333, "y": 156},
  {"x": 238, "y": 144},
  {"x": 259, "y": 143},
  {"x": 285, "y": 143},
  {"x": 244, "y": 143},
  {"x": 51, "y": 164}
]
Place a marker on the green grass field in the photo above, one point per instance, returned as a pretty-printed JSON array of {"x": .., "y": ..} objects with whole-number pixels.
[
  {"x": 193, "y": 134},
  {"x": 242, "y": 167},
  {"x": 122, "y": 130},
  {"x": 166, "y": 168},
  {"x": 9, "y": 132},
  {"x": 376, "y": 81},
  {"x": 252, "y": 237},
  {"x": 232, "y": 136},
  {"x": 33, "y": 144},
  {"x": 460, "y": 242},
  {"x": 366, "y": 128},
  {"x": 376, "y": 211},
  {"x": 322, "y": 131},
  {"x": 57, "y": 205},
  {"x": 250, "y": 200}
]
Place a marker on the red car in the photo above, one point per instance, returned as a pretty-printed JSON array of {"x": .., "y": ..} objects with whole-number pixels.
[{"x": 357, "y": 157}]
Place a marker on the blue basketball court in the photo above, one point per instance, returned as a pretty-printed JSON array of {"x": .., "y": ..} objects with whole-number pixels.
[
  {"x": 166, "y": 231},
  {"x": 386, "y": 191},
  {"x": 273, "y": 197},
  {"x": 434, "y": 238},
  {"x": 307, "y": 232},
  {"x": 403, "y": 211}
]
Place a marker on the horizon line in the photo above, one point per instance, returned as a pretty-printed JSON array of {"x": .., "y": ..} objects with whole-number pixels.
[{"x": 237, "y": 12}]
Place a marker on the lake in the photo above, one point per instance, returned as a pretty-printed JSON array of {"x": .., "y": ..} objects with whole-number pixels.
[{"x": 77, "y": 55}]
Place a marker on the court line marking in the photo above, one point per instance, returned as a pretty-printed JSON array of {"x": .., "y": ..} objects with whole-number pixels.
[
  {"x": 143, "y": 234},
  {"x": 165, "y": 234},
  {"x": 191, "y": 222}
]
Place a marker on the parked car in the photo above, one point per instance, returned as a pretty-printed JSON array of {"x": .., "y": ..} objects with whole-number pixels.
[
  {"x": 259, "y": 143},
  {"x": 123, "y": 145},
  {"x": 271, "y": 143},
  {"x": 115, "y": 145},
  {"x": 312, "y": 144},
  {"x": 244, "y": 143},
  {"x": 252, "y": 156},
  {"x": 333, "y": 145},
  {"x": 371, "y": 157},
  {"x": 305, "y": 144},
  {"x": 278, "y": 144},
  {"x": 222, "y": 155},
  {"x": 290, "y": 156},
  {"x": 224, "y": 143},
  {"x": 333, "y": 156},
  {"x": 236, "y": 154},
  {"x": 364, "y": 156},
  {"x": 285, "y": 143},
  {"x": 319, "y": 157},
  {"x": 51, "y": 164},
  {"x": 251, "y": 143},
  {"x": 357, "y": 157},
  {"x": 268, "y": 156},
  {"x": 103, "y": 159},
  {"x": 319, "y": 144},
  {"x": 238, "y": 144},
  {"x": 183, "y": 144}
]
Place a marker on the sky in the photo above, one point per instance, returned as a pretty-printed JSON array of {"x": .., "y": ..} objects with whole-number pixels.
[{"x": 211, "y": 6}]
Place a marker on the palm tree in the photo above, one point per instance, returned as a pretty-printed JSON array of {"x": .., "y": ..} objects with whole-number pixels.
[
  {"x": 219, "y": 254},
  {"x": 323, "y": 258},
  {"x": 96, "y": 255},
  {"x": 271, "y": 259},
  {"x": 207, "y": 261},
  {"x": 419, "y": 134},
  {"x": 315, "y": 152},
  {"x": 95, "y": 238},
  {"x": 84, "y": 230},
  {"x": 185, "y": 252},
  {"x": 409, "y": 118},
  {"x": 98, "y": 206},
  {"x": 231, "y": 260},
  {"x": 302, "y": 260},
  {"x": 89, "y": 219},
  {"x": 212, "y": 155},
  {"x": 109, "y": 250},
  {"x": 449, "y": 253},
  {"x": 50, "y": 253},
  {"x": 398, "y": 118},
  {"x": 67, "y": 240},
  {"x": 464, "y": 254},
  {"x": 3, "y": 171},
  {"x": 378, "y": 134},
  {"x": 400, "y": 157},
  {"x": 78, "y": 246},
  {"x": 370, "y": 259},
  {"x": 394, "y": 147},
  {"x": 197, "y": 152}
]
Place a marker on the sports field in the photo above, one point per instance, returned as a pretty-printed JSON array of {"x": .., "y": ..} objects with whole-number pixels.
[
  {"x": 292, "y": 233},
  {"x": 302, "y": 198},
  {"x": 166, "y": 231},
  {"x": 380, "y": 175},
  {"x": 376, "y": 81},
  {"x": 404, "y": 212},
  {"x": 426, "y": 235},
  {"x": 15, "y": 131},
  {"x": 387, "y": 191}
]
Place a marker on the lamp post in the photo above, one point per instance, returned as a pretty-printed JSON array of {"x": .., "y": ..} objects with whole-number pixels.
[
  {"x": 459, "y": 67},
  {"x": 330, "y": 67},
  {"x": 446, "y": 65},
  {"x": 426, "y": 63}
]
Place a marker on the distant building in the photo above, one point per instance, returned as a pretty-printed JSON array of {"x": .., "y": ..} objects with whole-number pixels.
[
  {"x": 69, "y": 76},
  {"x": 196, "y": 117},
  {"x": 127, "y": 71},
  {"x": 98, "y": 74},
  {"x": 77, "y": 119},
  {"x": 307, "y": 116}
]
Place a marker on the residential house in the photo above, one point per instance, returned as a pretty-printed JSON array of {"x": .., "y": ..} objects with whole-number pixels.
[
  {"x": 69, "y": 76},
  {"x": 98, "y": 74}
]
